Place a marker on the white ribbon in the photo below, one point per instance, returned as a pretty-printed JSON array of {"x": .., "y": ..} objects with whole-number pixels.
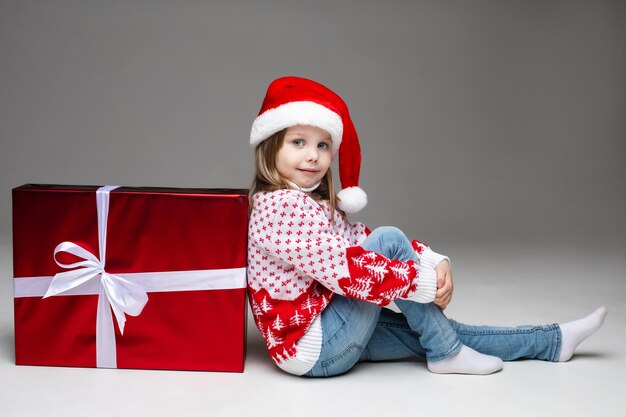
[
  {"x": 166, "y": 281},
  {"x": 115, "y": 291}
]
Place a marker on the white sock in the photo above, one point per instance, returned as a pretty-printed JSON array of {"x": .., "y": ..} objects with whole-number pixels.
[
  {"x": 467, "y": 361},
  {"x": 574, "y": 332}
]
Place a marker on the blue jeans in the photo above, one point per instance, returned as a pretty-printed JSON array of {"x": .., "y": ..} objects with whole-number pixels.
[{"x": 356, "y": 331}]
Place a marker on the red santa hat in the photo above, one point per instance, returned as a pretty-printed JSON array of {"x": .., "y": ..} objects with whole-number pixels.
[{"x": 293, "y": 100}]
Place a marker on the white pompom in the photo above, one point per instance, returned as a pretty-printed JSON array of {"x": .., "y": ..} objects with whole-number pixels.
[{"x": 352, "y": 199}]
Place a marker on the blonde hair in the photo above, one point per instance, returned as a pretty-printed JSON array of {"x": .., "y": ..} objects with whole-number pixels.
[{"x": 267, "y": 177}]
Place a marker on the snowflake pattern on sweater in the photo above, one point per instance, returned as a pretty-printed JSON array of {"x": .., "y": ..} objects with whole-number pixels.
[{"x": 298, "y": 258}]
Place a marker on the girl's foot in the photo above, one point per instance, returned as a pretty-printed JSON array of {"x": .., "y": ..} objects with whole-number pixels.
[
  {"x": 467, "y": 361},
  {"x": 574, "y": 332}
]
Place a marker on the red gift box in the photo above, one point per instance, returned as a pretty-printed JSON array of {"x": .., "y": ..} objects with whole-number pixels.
[{"x": 168, "y": 262}]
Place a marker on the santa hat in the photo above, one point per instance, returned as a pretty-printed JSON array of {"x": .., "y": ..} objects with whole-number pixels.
[{"x": 293, "y": 100}]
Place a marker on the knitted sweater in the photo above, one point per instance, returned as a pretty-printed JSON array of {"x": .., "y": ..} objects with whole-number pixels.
[{"x": 298, "y": 258}]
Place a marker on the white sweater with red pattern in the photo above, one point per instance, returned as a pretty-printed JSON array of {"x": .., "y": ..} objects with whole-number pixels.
[{"x": 298, "y": 258}]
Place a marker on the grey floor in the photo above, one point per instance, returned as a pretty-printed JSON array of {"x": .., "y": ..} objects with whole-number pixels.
[{"x": 496, "y": 285}]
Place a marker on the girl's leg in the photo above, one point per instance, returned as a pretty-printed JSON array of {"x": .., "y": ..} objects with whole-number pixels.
[
  {"x": 511, "y": 343},
  {"x": 443, "y": 349},
  {"x": 394, "y": 339}
]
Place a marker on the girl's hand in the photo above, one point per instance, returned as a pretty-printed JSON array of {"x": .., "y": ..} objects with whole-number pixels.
[{"x": 444, "y": 284}]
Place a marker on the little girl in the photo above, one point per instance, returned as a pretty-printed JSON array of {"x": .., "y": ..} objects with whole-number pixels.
[{"x": 317, "y": 282}]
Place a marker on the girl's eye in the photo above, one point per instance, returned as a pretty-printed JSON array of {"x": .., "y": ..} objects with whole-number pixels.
[
  {"x": 323, "y": 145},
  {"x": 298, "y": 142}
]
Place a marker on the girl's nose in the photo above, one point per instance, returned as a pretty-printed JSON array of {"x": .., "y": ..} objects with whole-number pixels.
[{"x": 312, "y": 155}]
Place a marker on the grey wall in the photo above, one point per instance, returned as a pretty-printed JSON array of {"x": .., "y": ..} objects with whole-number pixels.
[{"x": 480, "y": 121}]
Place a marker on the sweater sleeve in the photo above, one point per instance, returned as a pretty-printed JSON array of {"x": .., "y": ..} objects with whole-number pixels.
[
  {"x": 426, "y": 256},
  {"x": 301, "y": 236}
]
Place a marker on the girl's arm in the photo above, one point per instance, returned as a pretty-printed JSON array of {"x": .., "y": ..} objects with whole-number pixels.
[
  {"x": 430, "y": 259},
  {"x": 445, "y": 287},
  {"x": 427, "y": 258},
  {"x": 299, "y": 234}
]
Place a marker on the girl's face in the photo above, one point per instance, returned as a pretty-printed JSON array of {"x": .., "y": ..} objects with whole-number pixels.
[{"x": 305, "y": 155}]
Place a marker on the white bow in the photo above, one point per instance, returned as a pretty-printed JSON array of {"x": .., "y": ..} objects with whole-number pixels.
[{"x": 123, "y": 296}]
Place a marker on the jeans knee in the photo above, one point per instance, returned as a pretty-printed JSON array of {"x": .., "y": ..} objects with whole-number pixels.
[
  {"x": 389, "y": 233},
  {"x": 391, "y": 242}
]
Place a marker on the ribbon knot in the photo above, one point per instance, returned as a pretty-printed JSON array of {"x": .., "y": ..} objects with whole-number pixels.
[{"x": 123, "y": 296}]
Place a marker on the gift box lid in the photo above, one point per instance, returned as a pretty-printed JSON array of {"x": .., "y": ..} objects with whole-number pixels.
[{"x": 169, "y": 190}]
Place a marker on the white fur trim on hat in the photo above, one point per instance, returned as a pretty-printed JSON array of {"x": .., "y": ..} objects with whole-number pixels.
[
  {"x": 352, "y": 199},
  {"x": 297, "y": 113}
]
